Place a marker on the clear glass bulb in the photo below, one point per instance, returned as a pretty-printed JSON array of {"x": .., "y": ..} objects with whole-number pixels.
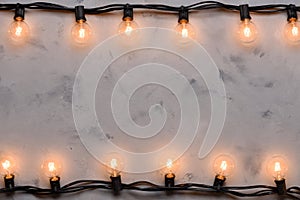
[
  {"x": 52, "y": 169},
  {"x": 185, "y": 30},
  {"x": 247, "y": 31},
  {"x": 223, "y": 166},
  {"x": 7, "y": 167},
  {"x": 127, "y": 27},
  {"x": 81, "y": 32},
  {"x": 18, "y": 30},
  {"x": 169, "y": 168},
  {"x": 277, "y": 167},
  {"x": 114, "y": 164},
  {"x": 292, "y": 31}
]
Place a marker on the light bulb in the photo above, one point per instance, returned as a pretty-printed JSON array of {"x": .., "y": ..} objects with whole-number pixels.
[
  {"x": 7, "y": 167},
  {"x": 277, "y": 168},
  {"x": 247, "y": 31},
  {"x": 81, "y": 32},
  {"x": 127, "y": 27},
  {"x": 223, "y": 166},
  {"x": 18, "y": 30},
  {"x": 52, "y": 169},
  {"x": 292, "y": 31},
  {"x": 169, "y": 174},
  {"x": 114, "y": 164},
  {"x": 170, "y": 168},
  {"x": 185, "y": 30},
  {"x": 7, "y": 170}
]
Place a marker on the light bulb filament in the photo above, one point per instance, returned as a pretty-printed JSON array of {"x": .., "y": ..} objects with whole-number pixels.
[
  {"x": 114, "y": 166},
  {"x": 277, "y": 169},
  {"x": 223, "y": 165},
  {"x": 52, "y": 169},
  {"x": 247, "y": 32},
  {"x": 128, "y": 29},
  {"x": 6, "y": 165},
  {"x": 169, "y": 164},
  {"x": 81, "y": 33},
  {"x": 18, "y": 31},
  {"x": 295, "y": 30},
  {"x": 184, "y": 31}
]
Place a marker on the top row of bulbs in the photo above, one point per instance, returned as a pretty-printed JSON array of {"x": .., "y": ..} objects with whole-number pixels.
[{"x": 82, "y": 32}]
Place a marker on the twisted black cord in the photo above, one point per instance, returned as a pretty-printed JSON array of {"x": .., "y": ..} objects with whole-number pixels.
[
  {"x": 268, "y": 9},
  {"x": 146, "y": 186}
]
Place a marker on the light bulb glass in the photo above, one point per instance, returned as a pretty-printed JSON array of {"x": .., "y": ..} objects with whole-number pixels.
[
  {"x": 277, "y": 167},
  {"x": 7, "y": 167},
  {"x": 185, "y": 30},
  {"x": 170, "y": 168},
  {"x": 81, "y": 32},
  {"x": 52, "y": 169},
  {"x": 223, "y": 166},
  {"x": 18, "y": 30},
  {"x": 247, "y": 32},
  {"x": 114, "y": 164},
  {"x": 292, "y": 31},
  {"x": 127, "y": 27}
]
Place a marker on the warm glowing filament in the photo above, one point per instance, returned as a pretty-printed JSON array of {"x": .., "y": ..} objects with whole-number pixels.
[
  {"x": 114, "y": 166},
  {"x": 128, "y": 30},
  {"x": 277, "y": 169},
  {"x": 247, "y": 32},
  {"x": 18, "y": 31},
  {"x": 6, "y": 165},
  {"x": 114, "y": 163},
  {"x": 51, "y": 166},
  {"x": 184, "y": 33},
  {"x": 295, "y": 31},
  {"x": 223, "y": 165},
  {"x": 169, "y": 164},
  {"x": 81, "y": 33}
]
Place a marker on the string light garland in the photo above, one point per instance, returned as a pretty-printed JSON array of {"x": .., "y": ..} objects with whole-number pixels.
[
  {"x": 81, "y": 32},
  {"x": 223, "y": 167}
]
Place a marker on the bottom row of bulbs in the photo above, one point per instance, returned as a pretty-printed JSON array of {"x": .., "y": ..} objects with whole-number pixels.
[{"x": 223, "y": 167}]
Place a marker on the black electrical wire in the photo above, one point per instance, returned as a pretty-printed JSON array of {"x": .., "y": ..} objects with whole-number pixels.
[
  {"x": 267, "y": 9},
  {"x": 146, "y": 186}
]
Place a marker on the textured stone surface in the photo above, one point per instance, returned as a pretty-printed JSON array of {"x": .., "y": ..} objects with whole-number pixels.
[{"x": 36, "y": 81}]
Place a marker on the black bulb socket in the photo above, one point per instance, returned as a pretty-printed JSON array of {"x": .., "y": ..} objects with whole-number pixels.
[
  {"x": 281, "y": 186},
  {"x": 80, "y": 14},
  {"x": 183, "y": 15},
  {"x": 292, "y": 12},
  {"x": 169, "y": 180},
  {"x": 244, "y": 12},
  {"x": 127, "y": 13},
  {"x": 9, "y": 181},
  {"x": 19, "y": 12},
  {"x": 116, "y": 184},
  {"x": 55, "y": 184},
  {"x": 219, "y": 181}
]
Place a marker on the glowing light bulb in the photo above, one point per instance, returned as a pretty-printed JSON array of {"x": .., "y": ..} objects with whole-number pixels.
[
  {"x": 127, "y": 27},
  {"x": 169, "y": 167},
  {"x": 81, "y": 32},
  {"x": 114, "y": 164},
  {"x": 18, "y": 30},
  {"x": 277, "y": 168},
  {"x": 292, "y": 31},
  {"x": 223, "y": 166},
  {"x": 7, "y": 167},
  {"x": 185, "y": 30},
  {"x": 247, "y": 31},
  {"x": 52, "y": 169}
]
